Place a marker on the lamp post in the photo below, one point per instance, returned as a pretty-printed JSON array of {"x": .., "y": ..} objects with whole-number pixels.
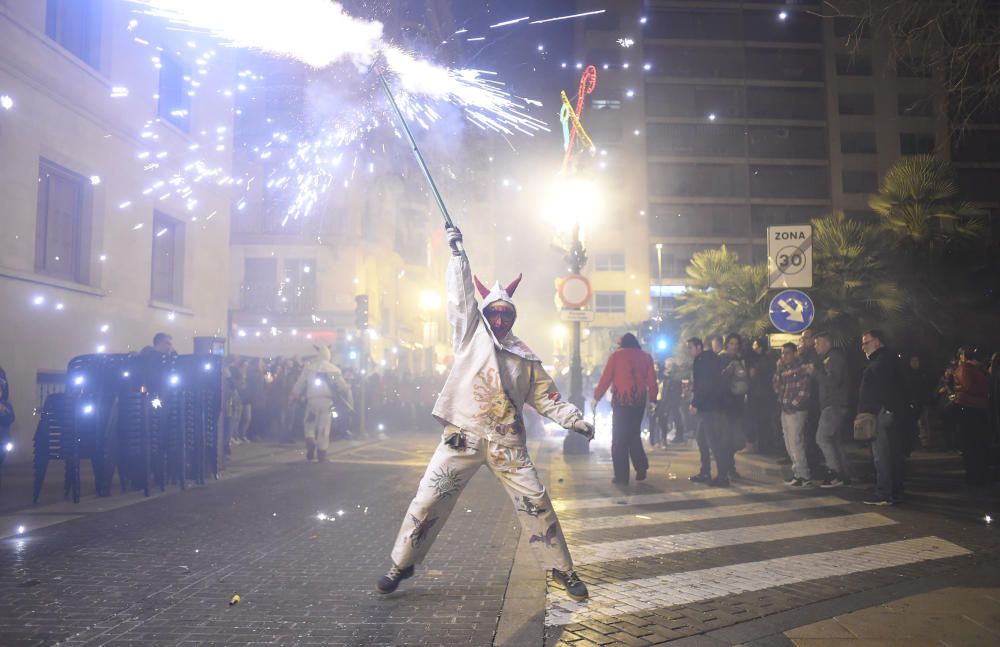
[
  {"x": 576, "y": 259},
  {"x": 659, "y": 279}
]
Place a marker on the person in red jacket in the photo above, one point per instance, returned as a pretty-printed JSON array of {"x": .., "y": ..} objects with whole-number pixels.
[
  {"x": 631, "y": 375},
  {"x": 972, "y": 391}
]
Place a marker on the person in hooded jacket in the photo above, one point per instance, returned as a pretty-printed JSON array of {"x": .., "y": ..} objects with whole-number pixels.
[
  {"x": 480, "y": 407},
  {"x": 631, "y": 375},
  {"x": 322, "y": 384},
  {"x": 972, "y": 392}
]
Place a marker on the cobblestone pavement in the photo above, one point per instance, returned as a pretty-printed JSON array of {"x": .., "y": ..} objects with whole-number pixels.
[
  {"x": 163, "y": 572},
  {"x": 669, "y": 558}
]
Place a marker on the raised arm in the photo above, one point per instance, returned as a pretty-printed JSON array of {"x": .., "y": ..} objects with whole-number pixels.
[{"x": 463, "y": 311}]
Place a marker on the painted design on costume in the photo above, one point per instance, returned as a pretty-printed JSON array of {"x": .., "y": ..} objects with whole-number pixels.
[
  {"x": 509, "y": 459},
  {"x": 529, "y": 507},
  {"x": 420, "y": 530},
  {"x": 445, "y": 482},
  {"x": 549, "y": 539},
  {"x": 496, "y": 410}
]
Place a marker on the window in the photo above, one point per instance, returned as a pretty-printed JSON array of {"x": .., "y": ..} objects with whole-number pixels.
[
  {"x": 912, "y": 68},
  {"x": 297, "y": 292},
  {"x": 175, "y": 102},
  {"x": 687, "y": 100},
  {"x": 788, "y": 143},
  {"x": 703, "y": 140},
  {"x": 694, "y": 220},
  {"x": 167, "y": 284},
  {"x": 784, "y": 64},
  {"x": 704, "y": 62},
  {"x": 260, "y": 285},
  {"x": 605, "y": 104},
  {"x": 789, "y": 182},
  {"x": 979, "y": 184},
  {"x": 854, "y": 65},
  {"x": 694, "y": 24},
  {"x": 609, "y": 301},
  {"x": 977, "y": 146},
  {"x": 861, "y": 143},
  {"x": 610, "y": 262},
  {"x": 701, "y": 180},
  {"x": 914, "y": 105},
  {"x": 799, "y": 27},
  {"x": 860, "y": 181},
  {"x": 75, "y": 25},
  {"x": 856, "y": 104},
  {"x": 60, "y": 228},
  {"x": 764, "y": 216},
  {"x": 916, "y": 143},
  {"x": 786, "y": 103},
  {"x": 846, "y": 27}
]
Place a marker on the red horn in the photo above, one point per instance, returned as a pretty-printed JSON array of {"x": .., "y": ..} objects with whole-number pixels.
[
  {"x": 513, "y": 285},
  {"x": 483, "y": 290}
]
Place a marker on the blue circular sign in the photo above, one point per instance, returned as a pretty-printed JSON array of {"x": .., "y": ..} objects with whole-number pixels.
[{"x": 792, "y": 311}]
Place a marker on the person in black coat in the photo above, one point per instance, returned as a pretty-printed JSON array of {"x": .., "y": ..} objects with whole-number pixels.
[
  {"x": 710, "y": 394},
  {"x": 883, "y": 394}
]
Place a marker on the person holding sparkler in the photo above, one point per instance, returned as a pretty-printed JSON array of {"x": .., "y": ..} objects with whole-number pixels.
[{"x": 480, "y": 406}]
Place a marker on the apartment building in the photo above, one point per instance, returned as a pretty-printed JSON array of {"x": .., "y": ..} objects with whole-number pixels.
[{"x": 107, "y": 237}]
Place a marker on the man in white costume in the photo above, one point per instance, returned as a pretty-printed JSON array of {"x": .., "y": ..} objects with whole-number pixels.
[
  {"x": 321, "y": 382},
  {"x": 480, "y": 406}
]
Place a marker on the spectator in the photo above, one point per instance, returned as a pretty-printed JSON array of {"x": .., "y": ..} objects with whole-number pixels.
[
  {"x": 972, "y": 390},
  {"x": 791, "y": 385},
  {"x": 631, "y": 376},
  {"x": 718, "y": 344},
  {"x": 807, "y": 353},
  {"x": 883, "y": 395},
  {"x": 739, "y": 383},
  {"x": 231, "y": 406},
  {"x": 239, "y": 375},
  {"x": 668, "y": 407},
  {"x": 831, "y": 375},
  {"x": 708, "y": 403},
  {"x": 162, "y": 344},
  {"x": 762, "y": 427}
]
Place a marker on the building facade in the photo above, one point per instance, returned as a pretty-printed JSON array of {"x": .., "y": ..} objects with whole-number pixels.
[{"x": 113, "y": 183}]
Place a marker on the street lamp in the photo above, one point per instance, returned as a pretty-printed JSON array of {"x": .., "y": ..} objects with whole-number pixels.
[
  {"x": 659, "y": 278},
  {"x": 572, "y": 203}
]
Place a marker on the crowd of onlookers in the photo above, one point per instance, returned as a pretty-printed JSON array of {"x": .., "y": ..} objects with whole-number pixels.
[
  {"x": 802, "y": 402},
  {"x": 259, "y": 402}
]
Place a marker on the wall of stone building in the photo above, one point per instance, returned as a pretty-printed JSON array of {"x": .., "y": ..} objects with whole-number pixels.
[{"x": 62, "y": 111}]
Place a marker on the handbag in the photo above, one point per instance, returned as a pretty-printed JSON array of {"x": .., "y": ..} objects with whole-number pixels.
[{"x": 865, "y": 426}]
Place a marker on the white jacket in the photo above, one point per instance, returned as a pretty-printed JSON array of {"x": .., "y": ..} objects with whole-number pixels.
[
  {"x": 491, "y": 380},
  {"x": 314, "y": 387}
]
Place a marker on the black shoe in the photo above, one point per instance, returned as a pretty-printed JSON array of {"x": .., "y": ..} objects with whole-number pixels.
[
  {"x": 388, "y": 582},
  {"x": 571, "y": 582},
  {"x": 310, "y": 453},
  {"x": 640, "y": 475},
  {"x": 618, "y": 482},
  {"x": 719, "y": 481},
  {"x": 700, "y": 478}
]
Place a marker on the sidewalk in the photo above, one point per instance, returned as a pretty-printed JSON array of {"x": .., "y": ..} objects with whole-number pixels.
[{"x": 18, "y": 515}]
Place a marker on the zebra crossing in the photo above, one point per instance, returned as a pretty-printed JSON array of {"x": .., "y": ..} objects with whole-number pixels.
[{"x": 635, "y": 558}]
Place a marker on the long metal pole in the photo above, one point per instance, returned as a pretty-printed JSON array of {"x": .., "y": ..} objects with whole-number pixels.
[{"x": 416, "y": 150}]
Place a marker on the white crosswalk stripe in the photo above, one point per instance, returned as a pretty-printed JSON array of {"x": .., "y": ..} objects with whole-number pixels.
[
  {"x": 698, "y": 514},
  {"x": 629, "y": 596},
  {"x": 561, "y": 505},
  {"x": 667, "y": 544}
]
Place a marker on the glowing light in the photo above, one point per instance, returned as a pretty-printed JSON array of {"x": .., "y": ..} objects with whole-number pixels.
[
  {"x": 541, "y": 48},
  {"x": 9, "y": 447},
  {"x": 647, "y": 66},
  {"x": 95, "y": 180},
  {"x": 629, "y": 93},
  {"x": 636, "y": 132},
  {"x": 334, "y": 414},
  {"x": 171, "y": 316},
  {"x": 174, "y": 380},
  {"x": 101, "y": 348},
  {"x": 21, "y": 530},
  {"x": 156, "y": 403},
  {"x": 340, "y": 513},
  {"x": 321, "y": 516},
  {"x": 381, "y": 427},
  {"x": 353, "y": 354},
  {"x": 317, "y": 382},
  {"x": 78, "y": 380},
  {"x": 59, "y": 306},
  {"x": 987, "y": 518},
  {"x": 38, "y": 300},
  {"x": 711, "y": 116},
  {"x": 626, "y": 42},
  {"x": 119, "y": 92},
  {"x": 105, "y": 328},
  {"x": 430, "y": 300},
  {"x": 782, "y": 15},
  {"x": 241, "y": 333},
  {"x": 88, "y": 409},
  {"x": 208, "y": 366},
  {"x": 6, "y": 102},
  {"x": 125, "y": 373},
  {"x": 642, "y": 20},
  {"x": 570, "y": 17},
  {"x": 510, "y": 22}
]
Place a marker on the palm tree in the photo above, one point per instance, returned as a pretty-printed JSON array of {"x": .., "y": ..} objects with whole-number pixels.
[
  {"x": 723, "y": 295},
  {"x": 854, "y": 287},
  {"x": 918, "y": 202}
]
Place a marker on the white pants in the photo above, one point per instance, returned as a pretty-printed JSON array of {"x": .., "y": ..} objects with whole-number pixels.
[
  {"x": 447, "y": 475},
  {"x": 793, "y": 429},
  {"x": 317, "y": 421}
]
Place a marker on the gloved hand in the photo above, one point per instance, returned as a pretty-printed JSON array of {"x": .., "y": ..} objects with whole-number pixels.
[
  {"x": 454, "y": 237},
  {"x": 584, "y": 428}
]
